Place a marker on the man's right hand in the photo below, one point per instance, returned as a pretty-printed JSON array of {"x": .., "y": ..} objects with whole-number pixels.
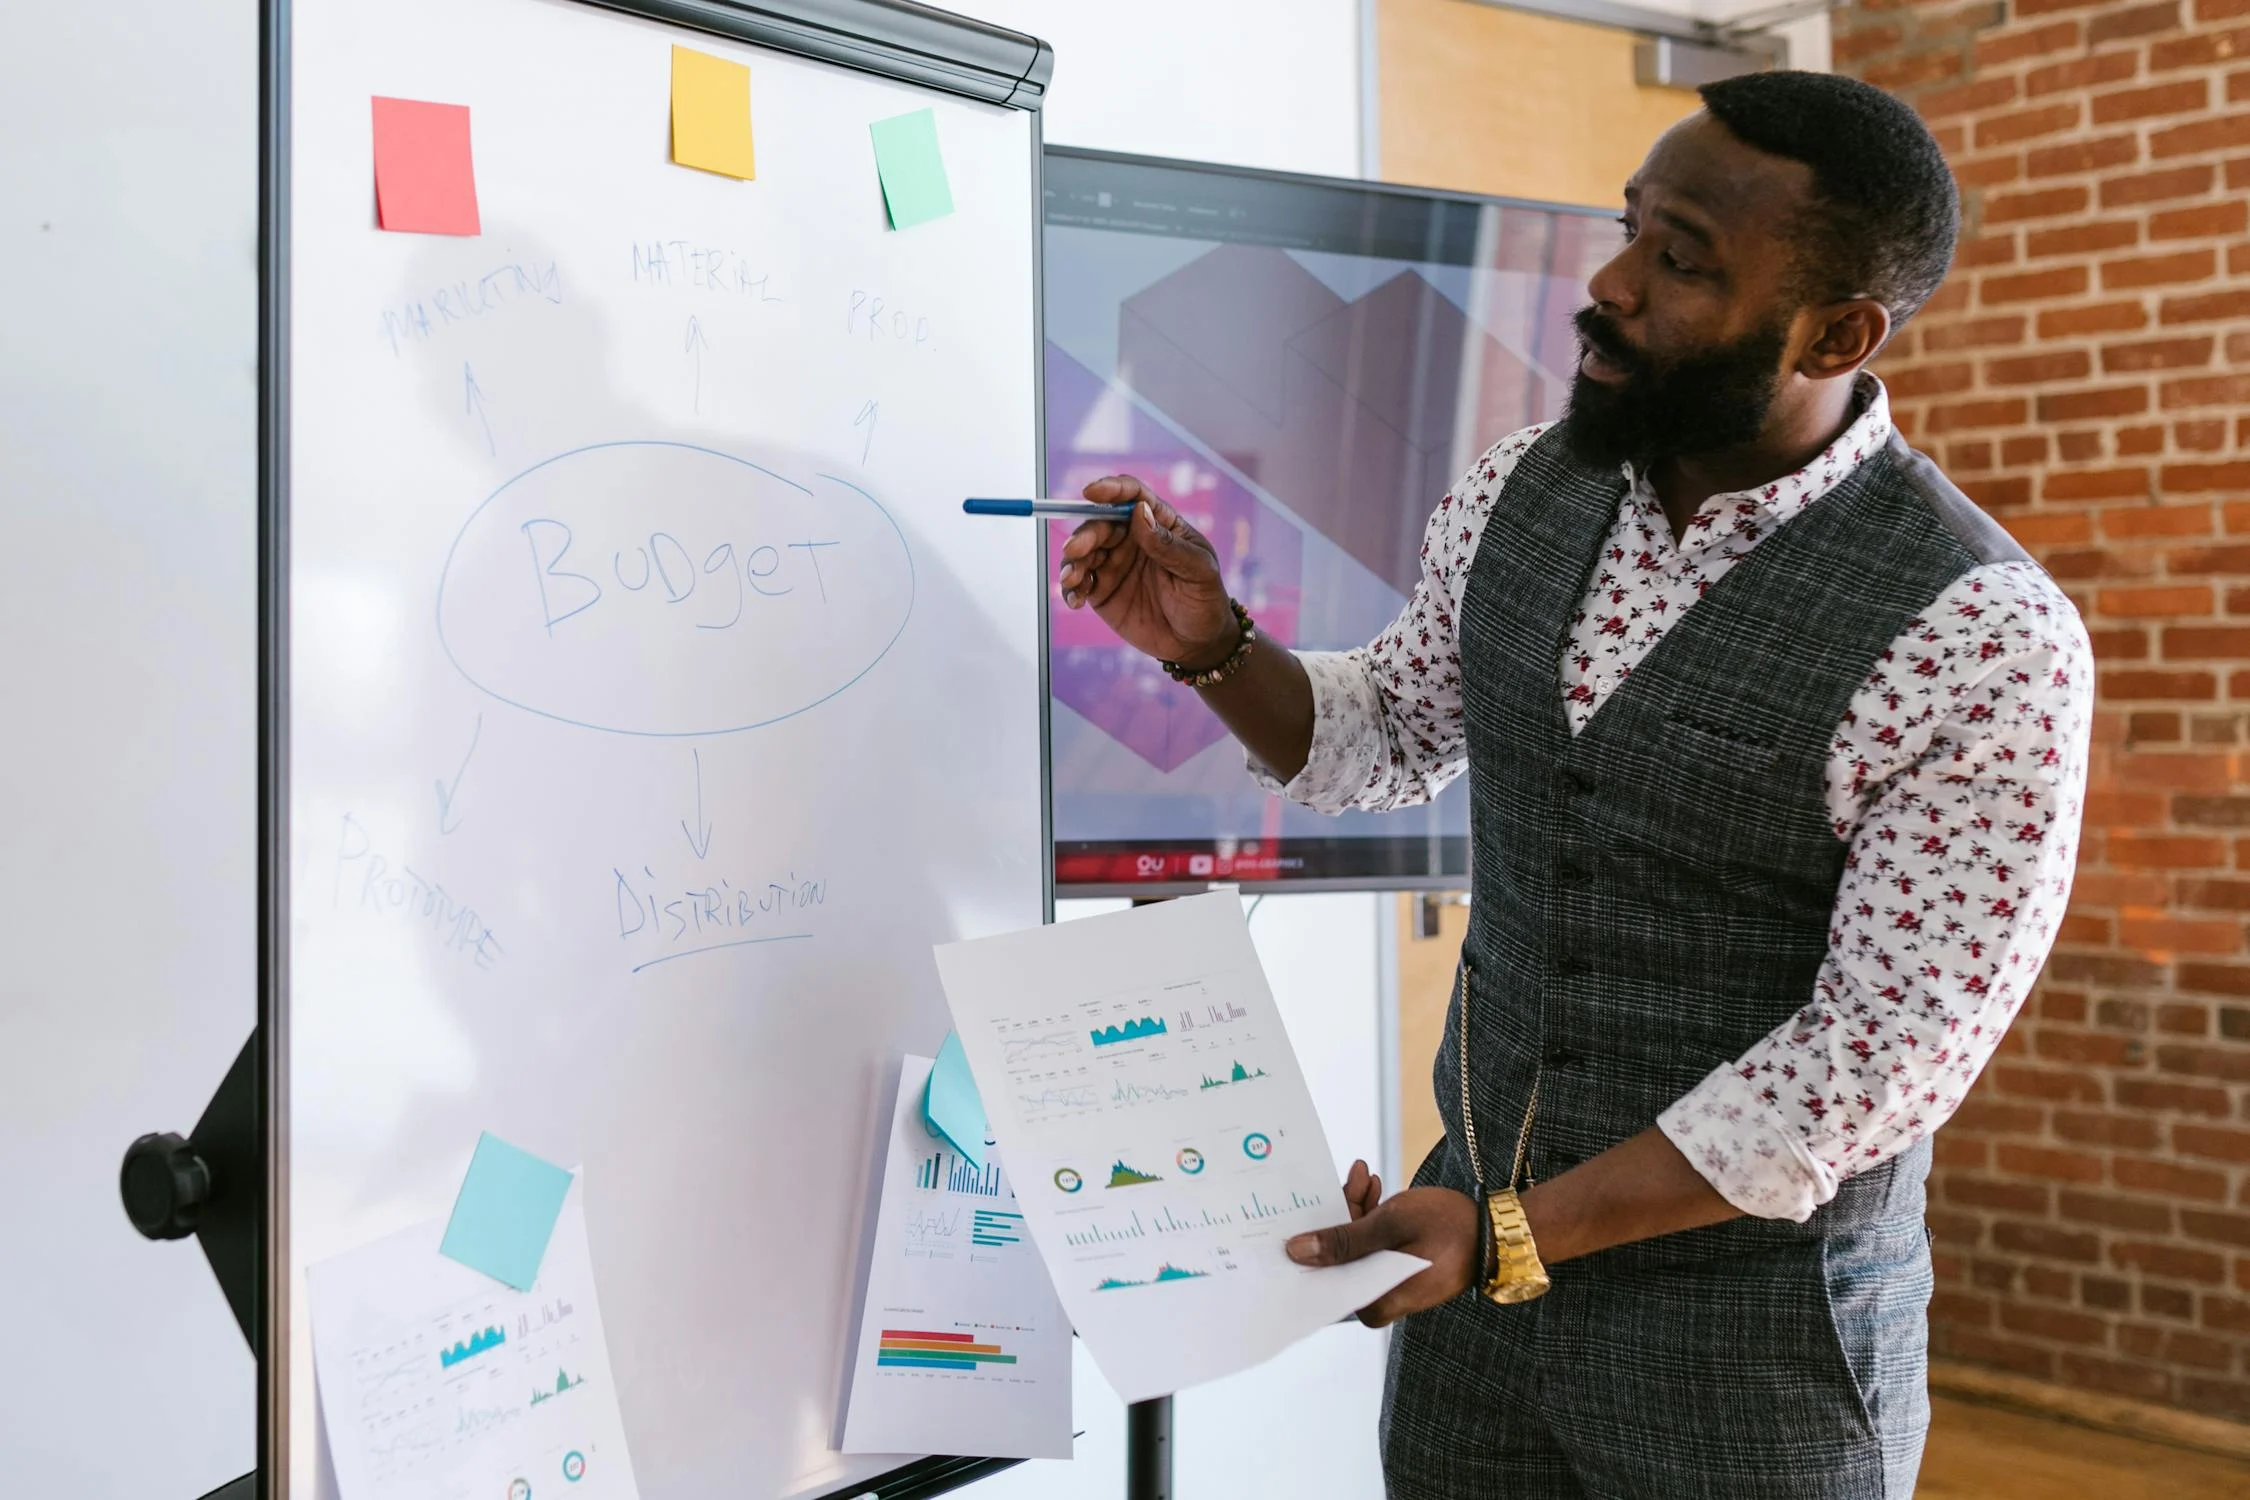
[{"x": 1153, "y": 579}]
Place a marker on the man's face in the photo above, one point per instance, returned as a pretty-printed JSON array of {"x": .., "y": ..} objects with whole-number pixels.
[{"x": 1693, "y": 329}]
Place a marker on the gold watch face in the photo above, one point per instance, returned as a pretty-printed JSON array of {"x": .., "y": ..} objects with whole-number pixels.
[{"x": 1511, "y": 1292}]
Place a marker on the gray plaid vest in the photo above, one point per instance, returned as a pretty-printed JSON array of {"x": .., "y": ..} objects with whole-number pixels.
[{"x": 1653, "y": 896}]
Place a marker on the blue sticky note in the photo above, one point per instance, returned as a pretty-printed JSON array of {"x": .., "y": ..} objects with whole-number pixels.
[
  {"x": 952, "y": 1104},
  {"x": 506, "y": 1211},
  {"x": 912, "y": 169}
]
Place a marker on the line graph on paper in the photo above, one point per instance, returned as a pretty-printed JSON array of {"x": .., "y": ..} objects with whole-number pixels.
[
  {"x": 1030, "y": 1049},
  {"x": 1067, "y": 1099}
]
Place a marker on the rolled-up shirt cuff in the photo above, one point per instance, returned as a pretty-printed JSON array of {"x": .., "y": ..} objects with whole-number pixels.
[
  {"x": 1347, "y": 734},
  {"x": 1745, "y": 1149}
]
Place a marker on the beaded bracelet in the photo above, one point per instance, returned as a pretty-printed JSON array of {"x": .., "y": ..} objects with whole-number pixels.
[{"x": 1213, "y": 676}]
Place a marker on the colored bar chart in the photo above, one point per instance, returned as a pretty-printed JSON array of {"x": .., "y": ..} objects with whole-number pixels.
[
  {"x": 1100, "y": 1236},
  {"x": 992, "y": 1227},
  {"x": 943, "y": 1170},
  {"x": 909, "y": 1349}
]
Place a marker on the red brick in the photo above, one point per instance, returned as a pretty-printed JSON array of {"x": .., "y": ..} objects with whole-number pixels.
[
  {"x": 1975, "y": 333},
  {"x": 2008, "y": 47},
  {"x": 2003, "y": 1197},
  {"x": 2100, "y": 317},
  {"x": 2145, "y": 685},
  {"x": 1998, "y": 494},
  {"x": 2219, "y": 1228},
  {"x": 2092, "y": 405},
  {"x": 2205, "y": 307},
  {"x": 2165, "y": 936},
  {"x": 2155, "y": 187},
  {"x": 2139, "y": 1382},
  {"x": 2157, "y": 521},
  {"x": 2159, "y": 270},
  {"x": 2002, "y": 1353},
  {"x": 2053, "y": 1324},
  {"x": 2168, "y": 1179},
  {"x": 2174, "y": 1262},
  {"x": 2033, "y": 286},
  {"x": 2094, "y": 153},
  {"x": 2026, "y": 124},
  {"x": 2083, "y": 72},
  {"x": 2206, "y": 642},
  {"x": 2212, "y": 1143},
  {"x": 2232, "y": 1064},
  {"x": 2206, "y": 221},
  {"x": 2141, "y": 1215},
  {"x": 2150, "y": 603},
  {"x": 2117, "y": 22},
  {"x": 2096, "y": 484},
  {"x": 2157, "y": 354},
  {"x": 1964, "y": 415},
  {"x": 2191, "y": 479},
  {"x": 2054, "y": 1166},
  {"x": 2197, "y": 51},
  {"x": 2046, "y": 1242},
  {"x": 2043, "y": 1083},
  {"x": 2039, "y": 369},
  {"x": 2215, "y": 895},
  {"x": 2175, "y": 98},
  {"x": 2205, "y": 390},
  {"x": 2218, "y": 133},
  {"x": 2136, "y": 441},
  {"x": 2130, "y": 1132}
]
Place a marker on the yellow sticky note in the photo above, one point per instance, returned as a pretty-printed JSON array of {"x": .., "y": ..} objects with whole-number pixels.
[{"x": 711, "y": 114}]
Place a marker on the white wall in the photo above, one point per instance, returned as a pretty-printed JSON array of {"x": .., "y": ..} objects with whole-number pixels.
[{"x": 128, "y": 206}]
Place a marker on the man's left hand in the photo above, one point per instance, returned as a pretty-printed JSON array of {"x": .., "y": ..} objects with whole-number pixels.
[{"x": 1437, "y": 1224}]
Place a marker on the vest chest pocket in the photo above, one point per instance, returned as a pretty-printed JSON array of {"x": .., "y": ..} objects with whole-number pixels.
[{"x": 1725, "y": 804}]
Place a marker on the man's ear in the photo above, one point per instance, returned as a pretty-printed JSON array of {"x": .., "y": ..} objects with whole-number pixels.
[{"x": 1846, "y": 336}]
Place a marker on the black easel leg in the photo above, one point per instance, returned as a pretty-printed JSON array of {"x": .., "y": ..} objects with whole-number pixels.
[{"x": 1148, "y": 1450}]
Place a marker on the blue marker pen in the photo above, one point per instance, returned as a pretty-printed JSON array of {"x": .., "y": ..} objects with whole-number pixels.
[{"x": 1069, "y": 510}]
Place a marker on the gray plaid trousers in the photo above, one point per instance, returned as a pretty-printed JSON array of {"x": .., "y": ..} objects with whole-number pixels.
[{"x": 1797, "y": 1373}]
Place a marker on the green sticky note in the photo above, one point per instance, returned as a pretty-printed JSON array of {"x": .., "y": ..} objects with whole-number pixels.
[
  {"x": 506, "y": 1213},
  {"x": 912, "y": 168},
  {"x": 952, "y": 1104}
]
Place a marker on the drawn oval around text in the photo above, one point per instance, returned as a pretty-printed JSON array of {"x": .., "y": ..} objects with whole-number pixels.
[{"x": 660, "y": 588}]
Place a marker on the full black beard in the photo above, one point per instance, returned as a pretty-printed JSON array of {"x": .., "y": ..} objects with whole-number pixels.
[{"x": 1718, "y": 399}]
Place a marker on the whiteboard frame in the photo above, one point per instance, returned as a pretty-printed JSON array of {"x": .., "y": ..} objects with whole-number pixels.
[{"x": 895, "y": 39}]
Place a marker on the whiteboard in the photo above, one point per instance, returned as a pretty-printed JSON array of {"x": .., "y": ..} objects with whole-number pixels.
[{"x": 651, "y": 707}]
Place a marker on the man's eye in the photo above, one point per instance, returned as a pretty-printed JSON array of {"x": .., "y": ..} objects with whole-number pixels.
[
  {"x": 1626, "y": 225},
  {"x": 1677, "y": 264}
]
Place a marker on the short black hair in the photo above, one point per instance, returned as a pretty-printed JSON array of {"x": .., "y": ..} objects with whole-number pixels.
[{"x": 1885, "y": 212}]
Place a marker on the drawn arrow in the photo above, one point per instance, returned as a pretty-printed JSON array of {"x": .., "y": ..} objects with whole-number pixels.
[
  {"x": 473, "y": 404},
  {"x": 445, "y": 794},
  {"x": 868, "y": 414},
  {"x": 696, "y": 344},
  {"x": 705, "y": 847}
]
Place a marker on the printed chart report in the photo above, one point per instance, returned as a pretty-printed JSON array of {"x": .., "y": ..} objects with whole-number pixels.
[
  {"x": 962, "y": 1348},
  {"x": 439, "y": 1382},
  {"x": 1164, "y": 1143}
]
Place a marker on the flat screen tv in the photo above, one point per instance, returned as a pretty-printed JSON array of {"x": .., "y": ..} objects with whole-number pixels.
[{"x": 1302, "y": 366}]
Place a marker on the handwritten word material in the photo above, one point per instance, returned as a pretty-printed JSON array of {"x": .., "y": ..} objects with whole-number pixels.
[
  {"x": 700, "y": 268},
  {"x": 711, "y": 114},
  {"x": 1159, "y": 1205},
  {"x": 445, "y": 306},
  {"x": 912, "y": 169},
  {"x": 369, "y": 880},
  {"x": 505, "y": 1213},
  {"x": 435, "y": 1381},
  {"x": 425, "y": 181},
  {"x": 962, "y": 1345}
]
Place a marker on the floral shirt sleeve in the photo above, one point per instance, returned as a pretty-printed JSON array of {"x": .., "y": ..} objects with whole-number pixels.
[
  {"x": 1387, "y": 717},
  {"x": 1958, "y": 778}
]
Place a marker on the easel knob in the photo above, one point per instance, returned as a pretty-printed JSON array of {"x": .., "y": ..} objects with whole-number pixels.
[{"x": 165, "y": 1184}]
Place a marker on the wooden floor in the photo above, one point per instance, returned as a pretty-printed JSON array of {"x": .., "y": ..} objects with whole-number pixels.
[{"x": 1981, "y": 1452}]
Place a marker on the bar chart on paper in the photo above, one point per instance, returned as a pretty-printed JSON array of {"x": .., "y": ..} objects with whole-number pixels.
[
  {"x": 962, "y": 1346},
  {"x": 437, "y": 1380}
]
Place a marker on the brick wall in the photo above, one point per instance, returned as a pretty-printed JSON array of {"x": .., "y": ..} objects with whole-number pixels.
[{"x": 2086, "y": 376}]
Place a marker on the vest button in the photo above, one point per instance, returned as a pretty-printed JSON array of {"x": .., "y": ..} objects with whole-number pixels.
[
  {"x": 1577, "y": 783},
  {"x": 1572, "y": 874},
  {"x": 1560, "y": 1057},
  {"x": 1570, "y": 965}
]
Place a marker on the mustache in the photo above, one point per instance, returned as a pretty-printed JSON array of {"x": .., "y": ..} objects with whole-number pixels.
[{"x": 1602, "y": 336}]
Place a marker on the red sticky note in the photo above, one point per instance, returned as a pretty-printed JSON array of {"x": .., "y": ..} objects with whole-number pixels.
[{"x": 424, "y": 180}]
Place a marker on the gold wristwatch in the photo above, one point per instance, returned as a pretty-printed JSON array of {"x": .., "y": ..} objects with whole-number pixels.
[
  {"x": 1508, "y": 1266},
  {"x": 1513, "y": 1272}
]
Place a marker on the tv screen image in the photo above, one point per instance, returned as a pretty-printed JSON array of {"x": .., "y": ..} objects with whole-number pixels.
[{"x": 1302, "y": 366}]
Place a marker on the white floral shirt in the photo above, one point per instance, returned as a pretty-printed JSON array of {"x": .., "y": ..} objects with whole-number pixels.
[{"x": 1957, "y": 780}]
